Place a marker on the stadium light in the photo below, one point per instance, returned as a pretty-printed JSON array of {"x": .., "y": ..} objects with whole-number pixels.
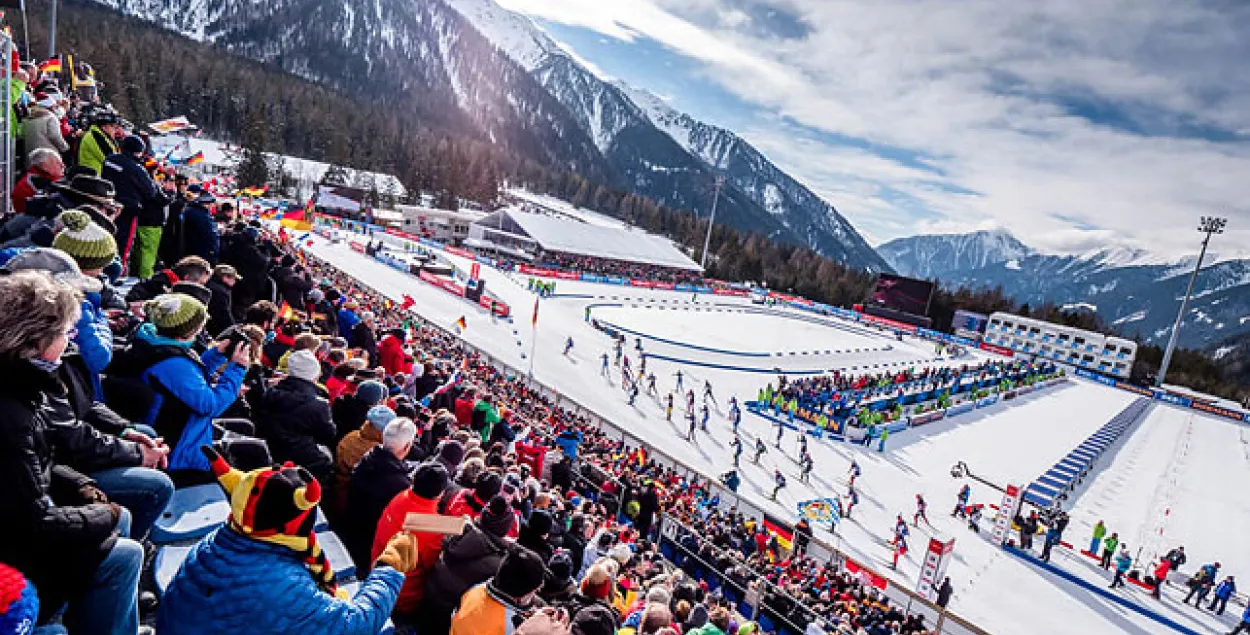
[
  {"x": 961, "y": 470},
  {"x": 720, "y": 181},
  {"x": 1207, "y": 225}
]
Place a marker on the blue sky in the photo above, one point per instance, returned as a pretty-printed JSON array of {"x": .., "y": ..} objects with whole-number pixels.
[{"x": 1075, "y": 124}]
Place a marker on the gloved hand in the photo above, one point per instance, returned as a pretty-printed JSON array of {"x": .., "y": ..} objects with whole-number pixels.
[{"x": 400, "y": 553}]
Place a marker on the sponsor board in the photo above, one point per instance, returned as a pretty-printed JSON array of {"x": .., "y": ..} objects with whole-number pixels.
[
  {"x": 357, "y": 246},
  {"x": 909, "y": 329},
  {"x": 928, "y": 417},
  {"x": 1220, "y": 411},
  {"x": 987, "y": 401},
  {"x": 997, "y": 350}
]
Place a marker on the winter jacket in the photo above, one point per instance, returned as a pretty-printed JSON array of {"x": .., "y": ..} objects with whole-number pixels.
[
  {"x": 1123, "y": 562},
  {"x": 42, "y": 129},
  {"x": 364, "y": 339},
  {"x": 1100, "y": 530},
  {"x": 135, "y": 190},
  {"x": 393, "y": 357},
  {"x": 31, "y": 183},
  {"x": 466, "y": 560},
  {"x": 485, "y": 611},
  {"x": 95, "y": 146},
  {"x": 568, "y": 442},
  {"x": 350, "y": 451},
  {"x": 220, "y": 311},
  {"x": 94, "y": 341},
  {"x": 1110, "y": 544},
  {"x": 347, "y": 322},
  {"x": 46, "y": 534},
  {"x": 246, "y": 256},
  {"x": 378, "y": 478},
  {"x": 1177, "y": 557},
  {"x": 349, "y": 414},
  {"x": 1225, "y": 589},
  {"x": 706, "y": 629},
  {"x": 1245, "y": 616},
  {"x": 464, "y": 412},
  {"x": 200, "y": 236},
  {"x": 429, "y": 545},
  {"x": 230, "y": 583},
  {"x": 181, "y": 392},
  {"x": 295, "y": 420},
  {"x": 159, "y": 283}
]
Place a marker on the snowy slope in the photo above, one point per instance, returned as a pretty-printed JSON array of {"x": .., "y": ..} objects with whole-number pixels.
[{"x": 1010, "y": 442}]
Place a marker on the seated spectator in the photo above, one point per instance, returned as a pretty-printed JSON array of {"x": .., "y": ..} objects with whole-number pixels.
[
  {"x": 45, "y": 168},
  {"x": 381, "y": 475},
  {"x": 356, "y": 444},
  {"x": 465, "y": 561},
  {"x": 365, "y": 340},
  {"x": 93, "y": 249},
  {"x": 350, "y": 411},
  {"x": 220, "y": 309},
  {"x": 59, "y": 530},
  {"x": 428, "y": 483},
  {"x": 717, "y": 623},
  {"x": 189, "y": 269},
  {"x": 492, "y": 608},
  {"x": 178, "y": 382},
  {"x": 42, "y": 128},
  {"x": 340, "y": 380},
  {"x": 295, "y": 419},
  {"x": 267, "y": 574}
]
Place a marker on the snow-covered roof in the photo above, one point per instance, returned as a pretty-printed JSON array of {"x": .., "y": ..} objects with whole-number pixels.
[{"x": 588, "y": 239}]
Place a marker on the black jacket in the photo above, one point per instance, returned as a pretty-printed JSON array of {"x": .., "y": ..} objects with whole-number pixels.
[
  {"x": 364, "y": 338},
  {"x": 159, "y": 284},
  {"x": 220, "y": 315},
  {"x": 295, "y": 419},
  {"x": 199, "y": 233},
  {"x": 135, "y": 190},
  {"x": 377, "y": 479},
  {"x": 293, "y": 286},
  {"x": 246, "y": 256},
  {"x": 466, "y": 560},
  {"x": 349, "y": 414},
  {"x": 46, "y": 534}
]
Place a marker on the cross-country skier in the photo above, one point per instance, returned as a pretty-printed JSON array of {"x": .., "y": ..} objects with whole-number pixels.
[
  {"x": 852, "y": 499},
  {"x": 899, "y": 543},
  {"x": 668, "y": 409},
  {"x": 642, "y": 364},
  {"x": 779, "y": 481},
  {"x": 781, "y": 432},
  {"x": 707, "y": 393},
  {"x": 633, "y": 393},
  {"x": 760, "y": 449},
  {"x": 679, "y": 380},
  {"x": 604, "y": 371},
  {"x": 736, "y": 444},
  {"x": 900, "y": 526},
  {"x": 921, "y": 506},
  {"x": 691, "y": 422},
  {"x": 735, "y": 418},
  {"x": 706, "y": 414},
  {"x": 620, "y": 353},
  {"x": 961, "y": 501},
  {"x": 568, "y": 346},
  {"x": 638, "y": 344},
  {"x": 690, "y": 401},
  {"x": 805, "y": 467},
  {"x": 733, "y": 404},
  {"x": 651, "y": 390},
  {"x": 853, "y": 472},
  {"x": 625, "y": 363},
  {"x": 802, "y": 444}
]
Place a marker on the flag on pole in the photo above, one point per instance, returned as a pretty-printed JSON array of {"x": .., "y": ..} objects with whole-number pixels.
[
  {"x": 408, "y": 302},
  {"x": 195, "y": 159},
  {"x": 286, "y": 311},
  {"x": 462, "y": 324},
  {"x": 53, "y": 65},
  {"x": 534, "y": 320}
]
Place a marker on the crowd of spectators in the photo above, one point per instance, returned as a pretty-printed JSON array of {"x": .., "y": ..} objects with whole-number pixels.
[
  {"x": 595, "y": 265},
  {"x": 156, "y": 340}
]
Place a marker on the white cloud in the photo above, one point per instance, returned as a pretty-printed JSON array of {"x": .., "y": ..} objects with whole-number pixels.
[{"x": 983, "y": 88}]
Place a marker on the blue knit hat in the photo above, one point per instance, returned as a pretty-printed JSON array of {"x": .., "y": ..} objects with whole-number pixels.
[
  {"x": 371, "y": 392},
  {"x": 379, "y": 416}
]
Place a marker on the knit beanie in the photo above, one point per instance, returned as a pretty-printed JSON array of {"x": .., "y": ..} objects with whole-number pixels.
[
  {"x": 561, "y": 567},
  {"x": 19, "y": 604},
  {"x": 371, "y": 392},
  {"x": 520, "y": 573},
  {"x": 198, "y": 291},
  {"x": 539, "y": 522},
  {"x": 90, "y": 245},
  {"x": 176, "y": 315},
  {"x": 380, "y": 416},
  {"x": 595, "y": 619},
  {"x": 451, "y": 454},
  {"x": 304, "y": 365},
  {"x": 429, "y": 480},
  {"x": 133, "y": 145},
  {"x": 487, "y": 486},
  {"x": 497, "y": 518}
]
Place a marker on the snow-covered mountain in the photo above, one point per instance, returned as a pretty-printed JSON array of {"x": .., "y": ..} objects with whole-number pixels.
[
  {"x": 669, "y": 154},
  {"x": 935, "y": 255},
  {"x": 1136, "y": 291}
]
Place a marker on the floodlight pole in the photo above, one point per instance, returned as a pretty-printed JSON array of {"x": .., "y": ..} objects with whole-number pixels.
[
  {"x": 51, "y": 30},
  {"x": 707, "y": 241},
  {"x": 1208, "y": 225}
]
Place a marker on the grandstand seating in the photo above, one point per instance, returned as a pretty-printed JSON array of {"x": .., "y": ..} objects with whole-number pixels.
[{"x": 1055, "y": 485}]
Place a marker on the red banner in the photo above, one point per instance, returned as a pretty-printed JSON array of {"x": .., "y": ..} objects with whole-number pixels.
[
  {"x": 456, "y": 251},
  {"x": 880, "y": 321},
  {"x": 402, "y": 234},
  {"x": 443, "y": 283},
  {"x": 356, "y": 245},
  {"x": 993, "y": 348},
  {"x": 501, "y": 309},
  {"x": 733, "y": 292}
]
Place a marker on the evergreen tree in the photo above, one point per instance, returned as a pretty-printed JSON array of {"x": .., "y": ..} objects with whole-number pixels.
[{"x": 253, "y": 170}]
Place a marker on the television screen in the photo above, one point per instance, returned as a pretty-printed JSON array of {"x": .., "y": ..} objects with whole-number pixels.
[
  {"x": 908, "y": 295},
  {"x": 969, "y": 321}
]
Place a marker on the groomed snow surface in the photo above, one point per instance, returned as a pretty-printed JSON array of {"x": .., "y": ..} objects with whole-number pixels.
[{"x": 1010, "y": 442}]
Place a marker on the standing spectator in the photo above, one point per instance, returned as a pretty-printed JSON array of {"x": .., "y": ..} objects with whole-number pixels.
[
  {"x": 200, "y": 236},
  {"x": 364, "y": 339},
  {"x": 267, "y": 574},
  {"x": 428, "y": 483},
  {"x": 1223, "y": 591},
  {"x": 944, "y": 592},
  {"x": 391, "y": 353},
  {"x": 220, "y": 309},
  {"x": 171, "y": 248},
  {"x": 190, "y": 269},
  {"x": 143, "y": 206},
  {"x": 493, "y": 608},
  {"x": 99, "y": 141},
  {"x": 466, "y": 560},
  {"x": 295, "y": 419},
  {"x": 42, "y": 128},
  {"x": 380, "y": 476},
  {"x": 1122, "y": 564},
  {"x": 46, "y": 167},
  {"x": 60, "y": 530}
]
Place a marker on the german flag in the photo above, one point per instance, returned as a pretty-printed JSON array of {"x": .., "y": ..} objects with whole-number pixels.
[
  {"x": 196, "y": 158},
  {"x": 462, "y": 325},
  {"x": 780, "y": 529},
  {"x": 53, "y": 65},
  {"x": 286, "y": 312},
  {"x": 296, "y": 219}
]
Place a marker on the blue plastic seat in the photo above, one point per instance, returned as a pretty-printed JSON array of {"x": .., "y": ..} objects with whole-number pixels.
[
  {"x": 192, "y": 513},
  {"x": 165, "y": 565},
  {"x": 336, "y": 553}
]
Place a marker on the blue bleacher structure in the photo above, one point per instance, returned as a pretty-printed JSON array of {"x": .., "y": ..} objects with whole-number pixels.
[{"x": 1059, "y": 481}]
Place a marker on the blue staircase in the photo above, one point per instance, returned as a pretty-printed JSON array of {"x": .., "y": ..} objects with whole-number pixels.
[{"x": 1064, "y": 476}]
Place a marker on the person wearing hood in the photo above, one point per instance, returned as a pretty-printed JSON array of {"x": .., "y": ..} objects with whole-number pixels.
[
  {"x": 355, "y": 445},
  {"x": 428, "y": 483},
  {"x": 100, "y": 141},
  {"x": 351, "y": 410},
  {"x": 348, "y": 319},
  {"x": 200, "y": 237},
  {"x": 495, "y": 607},
  {"x": 46, "y": 167},
  {"x": 471, "y": 502},
  {"x": 143, "y": 206},
  {"x": 558, "y": 584},
  {"x": 465, "y": 561},
  {"x": 164, "y": 371},
  {"x": 42, "y": 127},
  {"x": 364, "y": 338},
  {"x": 534, "y": 533},
  {"x": 379, "y": 477},
  {"x": 92, "y": 249},
  {"x": 295, "y": 419},
  {"x": 391, "y": 353}
]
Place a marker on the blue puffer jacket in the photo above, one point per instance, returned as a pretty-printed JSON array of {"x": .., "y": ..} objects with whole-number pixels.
[
  {"x": 233, "y": 584},
  {"x": 94, "y": 340}
]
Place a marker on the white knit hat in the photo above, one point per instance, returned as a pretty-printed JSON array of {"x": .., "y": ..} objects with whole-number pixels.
[{"x": 304, "y": 365}]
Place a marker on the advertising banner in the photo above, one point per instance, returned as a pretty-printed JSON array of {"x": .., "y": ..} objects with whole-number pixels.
[
  {"x": 909, "y": 329},
  {"x": 1006, "y": 512},
  {"x": 442, "y": 283},
  {"x": 1219, "y": 411},
  {"x": 500, "y": 309},
  {"x": 998, "y": 350},
  {"x": 357, "y": 246},
  {"x": 928, "y": 417},
  {"x": 456, "y": 251},
  {"x": 936, "y": 558}
]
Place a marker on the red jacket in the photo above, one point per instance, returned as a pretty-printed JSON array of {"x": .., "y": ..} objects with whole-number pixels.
[
  {"x": 464, "y": 412},
  {"x": 392, "y": 357},
  {"x": 337, "y": 388},
  {"x": 465, "y": 503},
  {"x": 429, "y": 546},
  {"x": 24, "y": 189}
]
